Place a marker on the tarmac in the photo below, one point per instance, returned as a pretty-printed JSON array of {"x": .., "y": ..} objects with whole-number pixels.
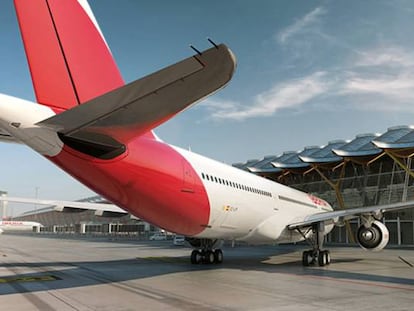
[{"x": 49, "y": 273}]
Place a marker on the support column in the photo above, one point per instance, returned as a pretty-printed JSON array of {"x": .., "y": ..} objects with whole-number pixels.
[
  {"x": 406, "y": 180},
  {"x": 405, "y": 167},
  {"x": 398, "y": 231},
  {"x": 3, "y": 205},
  {"x": 336, "y": 186}
]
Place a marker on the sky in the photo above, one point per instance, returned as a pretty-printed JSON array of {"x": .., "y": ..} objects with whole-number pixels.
[{"x": 308, "y": 72}]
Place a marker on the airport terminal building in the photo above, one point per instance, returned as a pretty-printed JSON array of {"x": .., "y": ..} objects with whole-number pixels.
[
  {"x": 77, "y": 221},
  {"x": 371, "y": 169}
]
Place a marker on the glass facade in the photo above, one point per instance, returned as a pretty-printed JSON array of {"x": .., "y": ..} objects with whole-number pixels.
[{"x": 381, "y": 182}]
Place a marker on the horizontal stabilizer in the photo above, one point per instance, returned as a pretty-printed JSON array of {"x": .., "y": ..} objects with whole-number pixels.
[
  {"x": 140, "y": 106},
  {"x": 6, "y": 137}
]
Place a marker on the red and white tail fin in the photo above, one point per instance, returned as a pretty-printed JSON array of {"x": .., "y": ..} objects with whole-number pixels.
[{"x": 69, "y": 60}]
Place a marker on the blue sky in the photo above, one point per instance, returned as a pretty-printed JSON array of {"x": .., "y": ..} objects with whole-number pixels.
[{"x": 308, "y": 72}]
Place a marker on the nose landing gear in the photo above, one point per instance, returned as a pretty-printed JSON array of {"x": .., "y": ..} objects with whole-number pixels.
[
  {"x": 316, "y": 254},
  {"x": 322, "y": 257}
]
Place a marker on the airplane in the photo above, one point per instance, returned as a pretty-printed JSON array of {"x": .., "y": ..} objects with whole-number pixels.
[
  {"x": 99, "y": 130},
  {"x": 16, "y": 225}
]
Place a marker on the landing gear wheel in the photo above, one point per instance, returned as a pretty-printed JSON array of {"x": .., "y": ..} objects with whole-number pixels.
[
  {"x": 196, "y": 257},
  {"x": 314, "y": 235},
  {"x": 307, "y": 258},
  {"x": 209, "y": 257},
  {"x": 218, "y": 256},
  {"x": 324, "y": 258},
  {"x": 321, "y": 258},
  {"x": 328, "y": 257}
]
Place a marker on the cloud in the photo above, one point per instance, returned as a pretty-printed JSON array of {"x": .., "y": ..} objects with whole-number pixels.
[
  {"x": 385, "y": 72},
  {"x": 385, "y": 56},
  {"x": 398, "y": 88},
  {"x": 289, "y": 94},
  {"x": 378, "y": 79},
  {"x": 301, "y": 25}
]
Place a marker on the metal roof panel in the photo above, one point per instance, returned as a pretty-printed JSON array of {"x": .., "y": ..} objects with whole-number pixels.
[{"x": 361, "y": 146}]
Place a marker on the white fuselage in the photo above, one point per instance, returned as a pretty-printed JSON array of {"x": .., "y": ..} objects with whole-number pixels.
[{"x": 250, "y": 208}]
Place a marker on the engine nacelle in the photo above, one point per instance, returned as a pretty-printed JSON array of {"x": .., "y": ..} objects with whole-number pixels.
[{"x": 374, "y": 237}]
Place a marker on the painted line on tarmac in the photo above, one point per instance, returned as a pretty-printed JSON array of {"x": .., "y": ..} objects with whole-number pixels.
[{"x": 406, "y": 262}]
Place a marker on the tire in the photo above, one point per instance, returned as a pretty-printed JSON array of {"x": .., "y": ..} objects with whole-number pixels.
[
  {"x": 307, "y": 258},
  {"x": 328, "y": 257},
  {"x": 196, "y": 257},
  {"x": 209, "y": 257},
  {"x": 218, "y": 256},
  {"x": 321, "y": 258}
]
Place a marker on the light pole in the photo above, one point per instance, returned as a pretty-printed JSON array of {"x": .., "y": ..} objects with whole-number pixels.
[{"x": 37, "y": 196}]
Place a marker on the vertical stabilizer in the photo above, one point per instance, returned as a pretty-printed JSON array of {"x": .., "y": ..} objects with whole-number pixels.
[{"x": 69, "y": 60}]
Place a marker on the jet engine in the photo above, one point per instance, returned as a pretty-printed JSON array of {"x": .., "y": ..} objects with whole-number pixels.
[{"x": 373, "y": 237}]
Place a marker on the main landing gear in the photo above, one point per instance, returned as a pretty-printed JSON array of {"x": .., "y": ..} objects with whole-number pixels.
[
  {"x": 310, "y": 257},
  {"x": 316, "y": 254},
  {"x": 205, "y": 252}
]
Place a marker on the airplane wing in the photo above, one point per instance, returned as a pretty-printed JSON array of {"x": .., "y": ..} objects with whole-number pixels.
[
  {"x": 339, "y": 216},
  {"x": 101, "y": 209},
  {"x": 133, "y": 109}
]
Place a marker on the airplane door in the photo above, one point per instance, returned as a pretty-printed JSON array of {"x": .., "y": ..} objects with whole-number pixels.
[{"x": 188, "y": 178}]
